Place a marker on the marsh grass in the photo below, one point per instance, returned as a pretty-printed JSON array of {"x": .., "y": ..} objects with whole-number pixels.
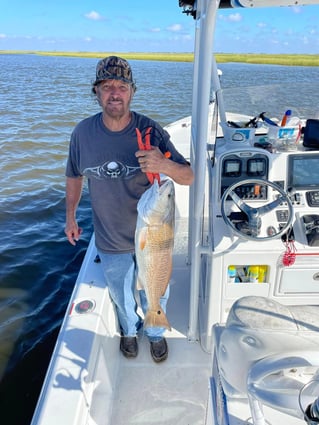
[
  {"x": 282, "y": 59},
  {"x": 289, "y": 60}
]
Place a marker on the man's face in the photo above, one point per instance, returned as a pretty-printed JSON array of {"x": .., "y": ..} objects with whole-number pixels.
[{"x": 114, "y": 97}]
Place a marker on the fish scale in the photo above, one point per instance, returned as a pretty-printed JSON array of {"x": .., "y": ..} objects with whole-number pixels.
[{"x": 154, "y": 242}]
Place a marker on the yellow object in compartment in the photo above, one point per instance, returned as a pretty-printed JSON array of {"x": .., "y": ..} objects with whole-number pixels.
[
  {"x": 253, "y": 274},
  {"x": 262, "y": 277}
]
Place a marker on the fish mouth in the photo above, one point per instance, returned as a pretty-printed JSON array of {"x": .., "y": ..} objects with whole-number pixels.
[
  {"x": 163, "y": 182},
  {"x": 166, "y": 185}
]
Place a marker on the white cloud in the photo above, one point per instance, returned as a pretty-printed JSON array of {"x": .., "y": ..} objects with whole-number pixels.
[
  {"x": 305, "y": 40},
  {"x": 3, "y": 36},
  {"x": 296, "y": 9},
  {"x": 94, "y": 16},
  {"x": 235, "y": 17},
  {"x": 175, "y": 28},
  {"x": 289, "y": 32},
  {"x": 157, "y": 29}
]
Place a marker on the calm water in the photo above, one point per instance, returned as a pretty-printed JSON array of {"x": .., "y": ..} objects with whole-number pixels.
[{"x": 41, "y": 99}]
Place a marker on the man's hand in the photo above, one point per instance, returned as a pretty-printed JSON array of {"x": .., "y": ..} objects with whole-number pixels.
[
  {"x": 155, "y": 162},
  {"x": 73, "y": 232},
  {"x": 151, "y": 161}
]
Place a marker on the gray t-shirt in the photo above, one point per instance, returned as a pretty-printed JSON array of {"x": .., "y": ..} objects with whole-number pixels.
[{"x": 115, "y": 180}]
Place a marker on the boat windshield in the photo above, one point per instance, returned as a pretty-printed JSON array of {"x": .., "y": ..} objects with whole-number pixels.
[{"x": 273, "y": 99}]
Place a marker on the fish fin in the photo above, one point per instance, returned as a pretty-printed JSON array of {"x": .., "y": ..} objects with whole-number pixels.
[
  {"x": 142, "y": 238},
  {"x": 139, "y": 285},
  {"x": 156, "y": 318}
]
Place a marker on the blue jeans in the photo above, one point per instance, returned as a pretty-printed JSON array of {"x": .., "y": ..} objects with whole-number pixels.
[{"x": 120, "y": 275}]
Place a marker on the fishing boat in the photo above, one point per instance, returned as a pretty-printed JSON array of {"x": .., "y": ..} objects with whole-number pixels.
[{"x": 244, "y": 303}]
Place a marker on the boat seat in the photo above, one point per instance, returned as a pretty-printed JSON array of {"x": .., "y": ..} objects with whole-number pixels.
[
  {"x": 257, "y": 328},
  {"x": 264, "y": 313}
]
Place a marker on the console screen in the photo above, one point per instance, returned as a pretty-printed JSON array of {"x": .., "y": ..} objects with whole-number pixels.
[
  {"x": 232, "y": 168},
  {"x": 256, "y": 167},
  {"x": 303, "y": 172}
]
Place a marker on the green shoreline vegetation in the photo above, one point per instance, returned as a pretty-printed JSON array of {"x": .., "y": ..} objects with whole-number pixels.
[{"x": 251, "y": 58}]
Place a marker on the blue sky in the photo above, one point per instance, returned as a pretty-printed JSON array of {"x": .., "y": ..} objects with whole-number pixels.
[{"x": 151, "y": 26}]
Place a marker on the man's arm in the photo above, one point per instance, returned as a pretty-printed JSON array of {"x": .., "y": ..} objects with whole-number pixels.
[
  {"x": 180, "y": 173},
  {"x": 73, "y": 196}
]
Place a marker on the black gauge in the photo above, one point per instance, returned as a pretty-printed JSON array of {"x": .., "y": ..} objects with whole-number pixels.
[
  {"x": 232, "y": 168},
  {"x": 256, "y": 167}
]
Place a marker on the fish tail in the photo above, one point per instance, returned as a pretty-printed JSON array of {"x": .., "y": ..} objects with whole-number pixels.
[{"x": 156, "y": 318}]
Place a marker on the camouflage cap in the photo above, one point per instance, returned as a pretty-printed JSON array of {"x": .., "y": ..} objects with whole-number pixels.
[{"x": 114, "y": 68}]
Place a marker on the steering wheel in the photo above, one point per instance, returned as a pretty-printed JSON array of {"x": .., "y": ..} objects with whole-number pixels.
[{"x": 252, "y": 225}]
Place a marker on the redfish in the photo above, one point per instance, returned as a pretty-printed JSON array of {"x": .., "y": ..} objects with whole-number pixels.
[{"x": 154, "y": 241}]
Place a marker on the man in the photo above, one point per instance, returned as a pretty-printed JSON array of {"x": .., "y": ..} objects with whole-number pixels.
[{"x": 104, "y": 149}]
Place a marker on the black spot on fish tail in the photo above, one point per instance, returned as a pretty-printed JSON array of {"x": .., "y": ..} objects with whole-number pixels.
[{"x": 156, "y": 318}]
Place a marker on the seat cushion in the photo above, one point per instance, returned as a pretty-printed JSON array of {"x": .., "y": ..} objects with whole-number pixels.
[{"x": 264, "y": 313}]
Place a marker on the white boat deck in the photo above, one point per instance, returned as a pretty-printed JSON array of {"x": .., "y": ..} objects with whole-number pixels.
[{"x": 168, "y": 393}]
